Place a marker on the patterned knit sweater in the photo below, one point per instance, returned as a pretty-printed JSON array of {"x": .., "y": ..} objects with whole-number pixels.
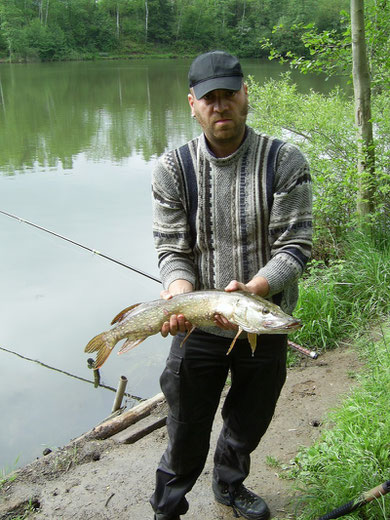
[{"x": 219, "y": 219}]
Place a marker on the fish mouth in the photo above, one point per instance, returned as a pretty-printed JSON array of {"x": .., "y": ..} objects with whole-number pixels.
[
  {"x": 292, "y": 325},
  {"x": 296, "y": 324}
]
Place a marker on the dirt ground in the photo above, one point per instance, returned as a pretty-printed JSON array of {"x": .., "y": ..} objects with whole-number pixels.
[{"x": 104, "y": 480}]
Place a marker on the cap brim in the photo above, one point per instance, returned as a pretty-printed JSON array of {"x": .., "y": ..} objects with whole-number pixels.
[{"x": 225, "y": 82}]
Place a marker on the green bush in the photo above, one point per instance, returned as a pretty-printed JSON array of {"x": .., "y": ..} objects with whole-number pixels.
[{"x": 323, "y": 127}]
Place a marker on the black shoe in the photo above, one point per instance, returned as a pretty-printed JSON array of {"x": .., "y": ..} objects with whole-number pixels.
[
  {"x": 243, "y": 502},
  {"x": 165, "y": 517}
]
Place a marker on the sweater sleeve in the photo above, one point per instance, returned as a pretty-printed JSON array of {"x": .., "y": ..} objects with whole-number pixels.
[
  {"x": 170, "y": 226},
  {"x": 290, "y": 226}
]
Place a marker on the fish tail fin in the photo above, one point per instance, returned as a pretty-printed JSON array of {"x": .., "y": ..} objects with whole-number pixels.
[{"x": 102, "y": 344}]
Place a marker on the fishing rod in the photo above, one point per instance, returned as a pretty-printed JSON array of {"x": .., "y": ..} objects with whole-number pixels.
[
  {"x": 94, "y": 251},
  {"x": 361, "y": 500},
  {"x": 298, "y": 348}
]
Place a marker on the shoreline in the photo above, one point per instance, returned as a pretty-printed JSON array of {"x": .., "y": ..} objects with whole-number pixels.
[{"x": 105, "y": 479}]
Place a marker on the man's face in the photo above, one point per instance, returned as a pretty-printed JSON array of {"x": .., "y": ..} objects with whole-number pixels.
[{"x": 222, "y": 116}]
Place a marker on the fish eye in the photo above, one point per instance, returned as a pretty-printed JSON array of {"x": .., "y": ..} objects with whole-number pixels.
[{"x": 266, "y": 311}]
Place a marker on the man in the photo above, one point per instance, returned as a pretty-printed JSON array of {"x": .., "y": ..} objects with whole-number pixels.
[{"x": 232, "y": 210}]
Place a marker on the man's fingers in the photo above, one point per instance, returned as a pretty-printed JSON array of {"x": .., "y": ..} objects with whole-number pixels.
[
  {"x": 165, "y": 295},
  {"x": 165, "y": 329},
  {"x": 177, "y": 323},
  {"x": 234, "y": 285},
  {"x": 184, "y": 324},
  {"x": 223, "y": 323}
]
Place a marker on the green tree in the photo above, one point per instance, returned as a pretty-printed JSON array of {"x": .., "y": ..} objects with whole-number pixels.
[
  {"x": 332, "y": 51},
  {"x": 11, "y": 25},
  {"x": 160, "y": 21}
]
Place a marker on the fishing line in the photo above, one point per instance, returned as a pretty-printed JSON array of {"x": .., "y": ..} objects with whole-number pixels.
[
  {"x": 296, "y": 347},
  {"x": 136, "y": 398},
  {"x": 94, "y": 251}
]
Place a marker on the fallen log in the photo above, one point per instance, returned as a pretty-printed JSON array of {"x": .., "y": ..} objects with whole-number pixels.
[
  {"x": 126, "y": 419},
  {"x": 140, "y": 429}
]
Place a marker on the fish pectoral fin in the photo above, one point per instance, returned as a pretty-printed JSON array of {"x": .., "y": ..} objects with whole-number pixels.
[
  {"x": 187, "y": 335},
  {"x": 129, "y": 344},
  {"x": 121, "y": 315},
  {"x": 234, "y": 340},
  {"x": 244, "y": 325},
  {"x": 252, "y": 338}
]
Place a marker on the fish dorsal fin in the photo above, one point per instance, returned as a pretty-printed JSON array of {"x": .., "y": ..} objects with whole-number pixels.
[
  {"x": 252, "y": 338},
  {"x": 129, "y": 344},
  {"x": 120, "y": 317},
  {"x": 234, "y": 340}
]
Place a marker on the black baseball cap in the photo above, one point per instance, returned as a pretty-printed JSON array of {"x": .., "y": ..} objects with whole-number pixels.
[{"x": 214, "y": 70}]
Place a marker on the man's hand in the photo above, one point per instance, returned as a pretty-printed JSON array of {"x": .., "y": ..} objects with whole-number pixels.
[
  {"x": 177, "y": 322},
  {"x": 258, "y": 285}
]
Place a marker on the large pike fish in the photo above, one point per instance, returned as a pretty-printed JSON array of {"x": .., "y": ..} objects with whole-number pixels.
[{"x": 249, "y": 312}]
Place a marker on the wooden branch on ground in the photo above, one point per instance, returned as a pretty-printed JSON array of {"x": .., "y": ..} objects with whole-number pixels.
[
  {"x": 117, "y": 424},
  {"x": 142, "y": 428}
]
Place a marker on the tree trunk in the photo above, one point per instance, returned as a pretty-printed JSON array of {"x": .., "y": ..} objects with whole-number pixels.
[
  {"x": 47, "y": 11},
  {"x": 179, "y": 19},
  {"x": 243, "y": 16},
  {"x": 146, "y": 19},
  {"x": 117, "y": 20},
  {"x": 362, "y": 94}
]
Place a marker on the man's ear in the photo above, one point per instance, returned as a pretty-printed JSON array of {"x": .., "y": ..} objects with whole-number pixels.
[{"x": 191, "y": 102}]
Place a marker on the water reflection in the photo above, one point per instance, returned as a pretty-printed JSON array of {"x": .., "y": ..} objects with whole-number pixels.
[
  {"x": 53, "y": 112},
  {"x": 111, "y": 110}
]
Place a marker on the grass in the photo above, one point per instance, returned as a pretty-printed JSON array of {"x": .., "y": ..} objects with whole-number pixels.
[
  {"x": 353, "y": 455},
  {"x": 8, "y": 474},
  {"x": 31, "y": 507},
  {"x": 340, "y": 300}
]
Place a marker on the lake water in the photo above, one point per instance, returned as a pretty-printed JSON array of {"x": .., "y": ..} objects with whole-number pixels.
[{"x": 77, "y": 146}]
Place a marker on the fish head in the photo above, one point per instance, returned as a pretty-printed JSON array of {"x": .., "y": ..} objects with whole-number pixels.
[{"x": 263, "y": 317}]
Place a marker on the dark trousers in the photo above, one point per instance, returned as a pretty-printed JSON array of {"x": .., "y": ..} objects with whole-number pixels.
[{"x": 192, "y": 382}]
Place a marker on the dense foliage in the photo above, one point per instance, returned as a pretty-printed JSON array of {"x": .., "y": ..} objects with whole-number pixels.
[
  {"x": 323, "y": 127},
  {"x": 65, "y": 29},
  {"x": 329, "y": 50}
]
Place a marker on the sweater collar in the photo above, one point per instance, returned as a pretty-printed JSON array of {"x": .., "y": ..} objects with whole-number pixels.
[{"x": 230, "y": 158}]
